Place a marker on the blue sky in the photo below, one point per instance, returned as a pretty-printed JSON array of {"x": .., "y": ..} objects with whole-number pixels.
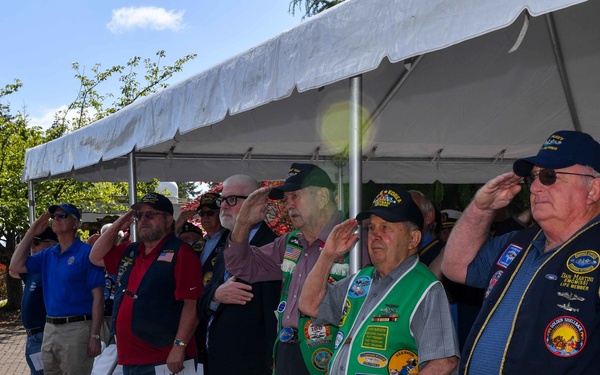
[{"x": 41, "y": 39}]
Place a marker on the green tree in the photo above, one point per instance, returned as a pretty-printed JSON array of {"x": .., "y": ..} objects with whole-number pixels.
[
  {"x": 90, "y": 105},
  {"x": 312, "y": 7}
]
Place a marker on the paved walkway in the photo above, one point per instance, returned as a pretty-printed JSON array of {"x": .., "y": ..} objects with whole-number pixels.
[{"x": 12, "y": 353}]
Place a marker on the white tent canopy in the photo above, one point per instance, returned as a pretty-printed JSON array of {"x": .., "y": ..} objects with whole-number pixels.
[{"x": 465, "y": 107}]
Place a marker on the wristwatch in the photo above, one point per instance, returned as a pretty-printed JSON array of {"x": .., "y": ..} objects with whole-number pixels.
[
  {"x": 96, "y": 336},
  {"x": 178, "y": 342}
]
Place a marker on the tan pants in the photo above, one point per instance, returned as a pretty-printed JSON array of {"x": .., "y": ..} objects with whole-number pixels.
[{"x": 64, "y": 349}]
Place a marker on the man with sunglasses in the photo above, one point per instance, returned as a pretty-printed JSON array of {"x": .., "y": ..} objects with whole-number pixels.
[
  {"x": 234, "y": 308},
  {"x": 159, "y": 280},
  {"x": 73, "y": 292},
  {"x": 33, "y": 310},
  {"x": 540, "y": 311},
  {"x": 216, "y": 235}
]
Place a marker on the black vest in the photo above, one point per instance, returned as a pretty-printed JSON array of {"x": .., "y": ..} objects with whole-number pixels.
[
  {"x": 558, "y": 318},
  {"x": 156, "y": 312}
]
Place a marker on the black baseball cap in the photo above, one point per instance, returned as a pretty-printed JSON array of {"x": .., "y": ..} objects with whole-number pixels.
[
  {"x": 189, "y": 227},
  {"x": 156, "y": 201},
  {"x": 209, "y": 200},
  {"x": 68, "y": 208},
  {"x": 300, "y": 176},
  {"x": 47, "y": 234},
  {"x": 563, "y": 149},
  {"x": 394, "y": 205}
]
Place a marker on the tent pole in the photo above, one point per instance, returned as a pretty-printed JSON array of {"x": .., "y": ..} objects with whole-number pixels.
[
  {"x": 132, "y": 192},
  {"x": 31, "y": 196},
  {"x": 340, "y": 185},
  {"x": 354, "y": 158}
]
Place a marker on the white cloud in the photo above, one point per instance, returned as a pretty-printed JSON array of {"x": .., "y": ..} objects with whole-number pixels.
[
  {"x": 46, "y": 120},
  {"x": 153, "y": 18}
]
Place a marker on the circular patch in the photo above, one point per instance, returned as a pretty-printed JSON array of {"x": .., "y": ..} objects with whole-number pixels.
[
  {"x": 565, "y": 336},
  {"x": 286, "y": 334},
  {"x": 321, "y": 358},
  {"x": 207, "y": 277},
  {"x": 371, "y": 359},
  {"x": 339, "y": 338},
  {"x": 281, "y": 307},
  {"x": 493, "y": 282},
  {"x": 314, "y": 332},
  {"x": 360, "y": 287},
  {"x": 403, "y": 362},
  {"x": 71, "y": 260},
  {"x": 583, "y": 261}
]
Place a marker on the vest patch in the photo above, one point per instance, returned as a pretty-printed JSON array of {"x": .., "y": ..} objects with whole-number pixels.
[
  {"x": 584, "y": 261},
  {"x": 403, "y": 362},
  {"x": 359, "y": 287},
  {"x": 576, "y": 281},
  {"x": 493, "y": 282},
  {"x": 166, "y": 256},
  {"x": 372, "y": 360},
  {"x": 321, "y": 358},
  {"x": 346, "y": 310},
  {"x": 206, "y": 278},
  {"x": 316, "y": 335},
  {"x": 339, "y": 338},
  {"x": 281, "y": 306},
  {"x": 375, "y": 337},
  {"x": 388, "y": 314},
  {"x": 565, "y": 336},
  {"x": 509, "y": 254}
]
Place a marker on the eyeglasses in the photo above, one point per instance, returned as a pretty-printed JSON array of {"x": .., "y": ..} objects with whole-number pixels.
[
  {"x": 207, "y": 213},
  {"x": 231, "y": 199},
  {"x": 150, "y": 215},
  {"x": 60, "y": 215},
  {"x": 548, "y": 176}
]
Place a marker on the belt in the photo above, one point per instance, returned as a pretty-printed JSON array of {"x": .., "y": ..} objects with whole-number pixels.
[
  {"x": 68, "y": 319},
  {"x": 31, "y": 332},
  {"x": 288, "y": 335}
]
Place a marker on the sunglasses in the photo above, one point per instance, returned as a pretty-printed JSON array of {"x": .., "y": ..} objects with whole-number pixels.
[
  {"x": 60, "y": 215},
  {"x": 231, "y": 200},
  {"x": 548, "y": 176},
  {"x": 150, "y": 215},
  {"x": 207, "y": 213}
]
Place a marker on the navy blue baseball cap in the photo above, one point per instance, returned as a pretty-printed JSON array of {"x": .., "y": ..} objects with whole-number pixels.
[
  {"x": 563, "y": 149},
  {"x": 156, "y": 201},
  {"x": 300, "y": 176},
  {"x": 68, "y": 208},
  {"x": 394, "y": 205}
]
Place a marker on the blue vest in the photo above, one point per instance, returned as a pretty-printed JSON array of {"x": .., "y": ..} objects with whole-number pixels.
[
  {"x": 558, "y": 318},
  {"x": 156, "y": 312}
]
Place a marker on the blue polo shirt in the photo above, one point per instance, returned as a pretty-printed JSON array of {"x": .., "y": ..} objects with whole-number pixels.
[
  {"x": 33, "y": 310},
  {"x": 67, "y": 278}
]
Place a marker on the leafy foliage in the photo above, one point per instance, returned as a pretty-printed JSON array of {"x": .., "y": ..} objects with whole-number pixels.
[{"x": 312, "y": 7}]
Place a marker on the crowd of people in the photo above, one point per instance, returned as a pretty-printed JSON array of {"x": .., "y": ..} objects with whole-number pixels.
[{"x": 438, "y": 292}]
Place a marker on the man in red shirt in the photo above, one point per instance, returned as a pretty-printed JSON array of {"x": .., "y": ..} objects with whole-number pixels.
[{"x": 158, "y": 282}]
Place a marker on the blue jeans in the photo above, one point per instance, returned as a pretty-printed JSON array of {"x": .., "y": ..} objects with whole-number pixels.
[{"x": 33, "y": 345}]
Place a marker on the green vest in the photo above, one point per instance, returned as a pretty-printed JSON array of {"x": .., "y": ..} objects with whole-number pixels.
[
  {"x": 316, "y": 342},
  {"x": 383, "y": 343}
]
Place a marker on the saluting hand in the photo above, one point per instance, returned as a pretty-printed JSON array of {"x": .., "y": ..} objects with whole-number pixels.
[
  {"x": 341, "y": 239},
  {"x": 254, "y": 209},
  {"x": 498, "y": 192}
]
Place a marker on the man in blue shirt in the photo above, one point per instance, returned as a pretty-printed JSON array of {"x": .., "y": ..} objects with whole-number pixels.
[
  {"x": 33, "y": 310},
  {"x": 73, "y": 292}
]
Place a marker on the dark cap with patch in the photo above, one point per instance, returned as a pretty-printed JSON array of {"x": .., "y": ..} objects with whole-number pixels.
[
  {"x": 300, "y": 176},
  {"x": 47, "y": 234},
  {"x": 68, "y": 208},
  {"x": 189, "y": 227},
  {"x": 209, "y": 200},
  {"x": 156, "y": 201},
  {"x": 394, "y": 205},
  {"x": 563, "y": 149}
]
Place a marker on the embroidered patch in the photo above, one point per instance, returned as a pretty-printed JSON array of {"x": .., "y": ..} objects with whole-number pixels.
[
  {"x": 166, "y": 256},
  {"x": 403, "y": 362},
  {"x": 375, "y": 337},
  {"x": 360, "y": 287},
  {"x": 565, "y": 336},
  {"x": 292, "y": 253},
  {"x": 509, "y": 254},
  {"x": 375, "y": 360},
  {"x": 584, "y": 261},
  {"x": 206, "y": 278},
  {"x": 386, "y": 198},
  {"x": 321, "y": 358},
  {"x": 493, "y": 282},
  {"x": 575, "y": 281},
  {"x": 281, "y": 306},
  {"x": 389, "y": 313},
  {"x": 339, "y": 338},
  {"x": 345, "y": 311},
  {"x": 317, "y": 335}
]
